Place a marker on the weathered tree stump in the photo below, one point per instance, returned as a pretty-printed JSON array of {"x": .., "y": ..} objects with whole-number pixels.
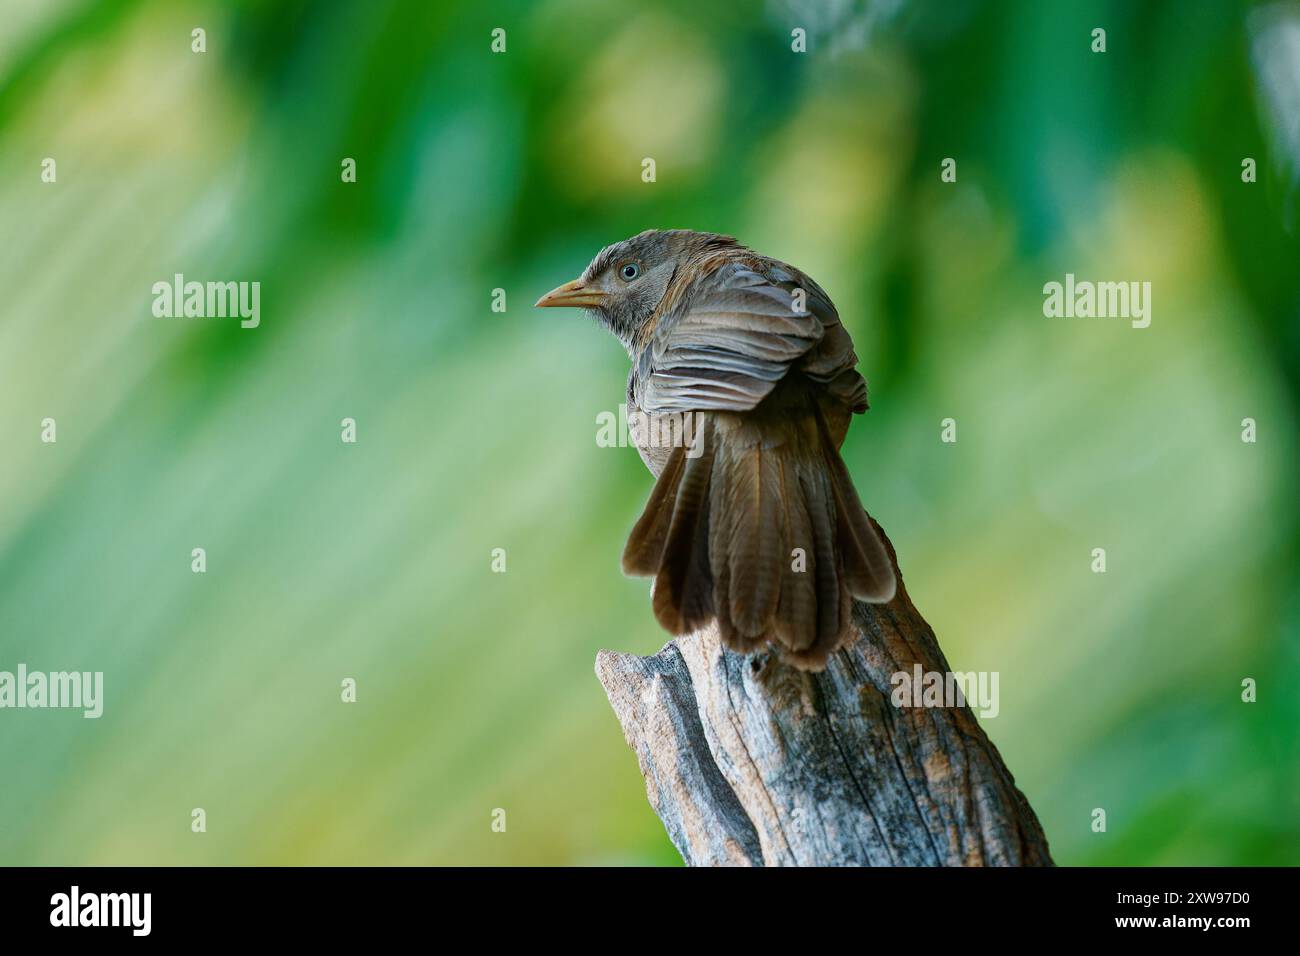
[{"x": 750, "y": 762}]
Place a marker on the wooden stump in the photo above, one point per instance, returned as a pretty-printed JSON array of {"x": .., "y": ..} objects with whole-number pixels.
[{"x": 750, "y": 762}]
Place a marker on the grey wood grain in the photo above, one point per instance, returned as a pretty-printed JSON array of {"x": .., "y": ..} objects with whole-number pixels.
[{"x": 748, "y": 761}]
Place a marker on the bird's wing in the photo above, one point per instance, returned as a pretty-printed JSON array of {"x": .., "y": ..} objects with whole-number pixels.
[{"x": 738, "y": 334}]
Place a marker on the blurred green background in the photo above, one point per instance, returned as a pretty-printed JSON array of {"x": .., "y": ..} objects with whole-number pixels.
[{"x": 476, "y": 430}]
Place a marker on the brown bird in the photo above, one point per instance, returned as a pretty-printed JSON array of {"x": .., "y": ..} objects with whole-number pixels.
[{"x": 754, "y": 520}]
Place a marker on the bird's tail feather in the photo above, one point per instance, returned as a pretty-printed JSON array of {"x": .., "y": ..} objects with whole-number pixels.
[{"x": 762, "y": 530}]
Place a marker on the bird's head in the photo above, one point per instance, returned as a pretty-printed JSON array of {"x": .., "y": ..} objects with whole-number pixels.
[{"x": 626, "y": 282}]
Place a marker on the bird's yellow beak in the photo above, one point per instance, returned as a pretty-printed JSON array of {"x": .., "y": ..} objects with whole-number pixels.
[{"x": 574, "y": 293}]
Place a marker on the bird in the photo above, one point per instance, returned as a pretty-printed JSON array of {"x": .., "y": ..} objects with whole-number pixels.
[{"x": 753, "y": 520}]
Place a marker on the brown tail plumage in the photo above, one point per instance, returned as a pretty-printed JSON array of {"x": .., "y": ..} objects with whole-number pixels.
[{"x": 763, "y": 530}]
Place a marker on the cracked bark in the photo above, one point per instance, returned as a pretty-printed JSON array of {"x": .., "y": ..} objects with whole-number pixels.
[{"x": 749, "y": 762}]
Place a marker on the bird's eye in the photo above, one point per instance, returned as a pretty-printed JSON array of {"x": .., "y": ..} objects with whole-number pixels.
[{"x": 630, "y": 271}]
